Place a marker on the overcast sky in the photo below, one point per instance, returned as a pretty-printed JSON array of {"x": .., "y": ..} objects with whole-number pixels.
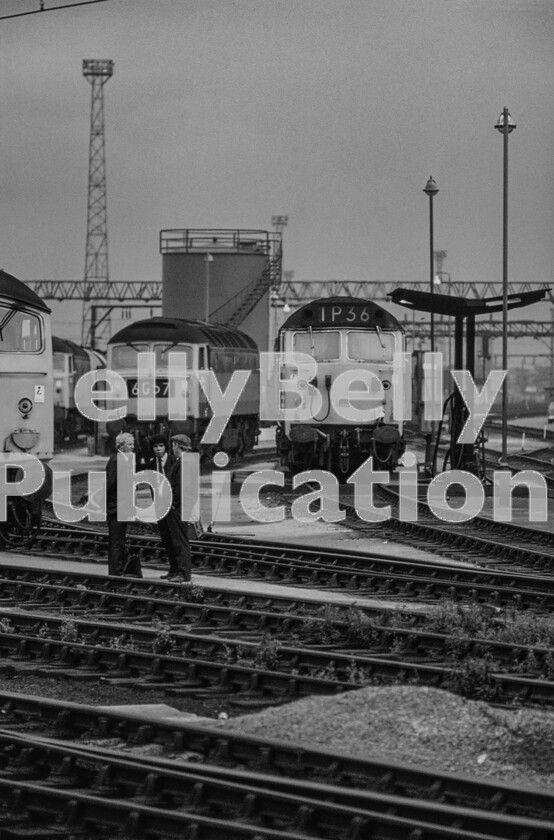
[{"x": 222, "y": 113}]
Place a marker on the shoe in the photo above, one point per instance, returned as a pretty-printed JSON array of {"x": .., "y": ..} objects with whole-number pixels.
[
  {"x": 167, "y": 576},
  {"x": 179, "y": 578}
]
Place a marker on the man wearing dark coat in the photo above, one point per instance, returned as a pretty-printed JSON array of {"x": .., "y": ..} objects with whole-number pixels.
[
  {"x": 180, "y": 554},
  {"x": 162, "y": 462},
  {"x": 117, "y": 531}
]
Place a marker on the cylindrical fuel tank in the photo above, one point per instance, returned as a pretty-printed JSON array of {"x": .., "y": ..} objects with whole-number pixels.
[{"x": 216, "y": 270}]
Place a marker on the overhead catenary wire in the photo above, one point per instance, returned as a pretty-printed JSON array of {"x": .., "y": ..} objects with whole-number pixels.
[{"x": 51, "y": 8}]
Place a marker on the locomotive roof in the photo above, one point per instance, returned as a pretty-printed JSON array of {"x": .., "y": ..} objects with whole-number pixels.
[
  {"x": 179, "y": 330},
  {"x": 64, "y": 345},
  {"x": 11, "y": 287},
  {"x": 341, "y": 312}
]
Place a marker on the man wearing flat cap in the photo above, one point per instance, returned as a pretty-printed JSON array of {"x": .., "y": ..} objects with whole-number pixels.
[{"x": 178, "y": 546}]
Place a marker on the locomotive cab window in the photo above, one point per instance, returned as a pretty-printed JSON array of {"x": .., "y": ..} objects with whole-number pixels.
[
  {"x": 323, "y": 346},
  {"x": 163, "y": 350},
  {"x": 20, "y": 332},
  {"x": 362, "y": 346},
  {"x": 125, "y": 355}
]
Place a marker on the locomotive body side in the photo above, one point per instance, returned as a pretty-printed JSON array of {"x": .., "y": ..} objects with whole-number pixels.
[
  {"x": 344, "y": 336},
  {"x": 71, "y": 362},
  {"x": 26, "y": 419},
  {"x": 206, "y": 347}
]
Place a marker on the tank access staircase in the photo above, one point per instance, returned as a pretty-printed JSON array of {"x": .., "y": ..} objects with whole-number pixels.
[{"x": 235, "y": 310}]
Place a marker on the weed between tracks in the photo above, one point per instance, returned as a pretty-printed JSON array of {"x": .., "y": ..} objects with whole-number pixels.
[
  {"x": 6, "y": 626},
  {"x": 190, "y": 593},
  {"x": 265, "y": 655},
  {"x": 470, "y": 630},
  {"x": 467, "y": 653}
]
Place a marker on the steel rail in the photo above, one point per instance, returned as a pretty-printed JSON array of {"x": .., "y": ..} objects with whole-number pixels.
[
  {"x": 40, "y": 803},
  {"x": 410, "y": 642},
  {"x": 83, "y": 585},
  {"x": 207, "y": 664},
  {"x": 30, "y": 805},
  {"x": 366, "y": 561},
  {"x": 185, "y": 674},
  {"x": 146, "y": 607},
  {"x": 233, "y": 622},
  {"x": 289, "y": 803},
  {"x": 483, "y": 535},
  {"x": 384, "y": 577},
  {"x": 498, "y": 540},
  {"x": 502, "y": 542},
  {"x": 222, "y": 548},
  {"x": 205, "y": 748}
]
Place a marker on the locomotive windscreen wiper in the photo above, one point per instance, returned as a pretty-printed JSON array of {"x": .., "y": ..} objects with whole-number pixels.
[
  {"x": 380, "y": 339},
  {"x": 167, "y": 349},
  {"x": 6, "y": 320}
]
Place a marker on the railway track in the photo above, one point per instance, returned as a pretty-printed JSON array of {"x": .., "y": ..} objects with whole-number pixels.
[
  {"x": 213, "y": 641},
  {"x": 254, "y": 660},
  {"x": 226, "y": 782},
  {"x": 367, "y": 574},
  {"x": 499, "y": 545},
  {"x": 494, "y": 544}
]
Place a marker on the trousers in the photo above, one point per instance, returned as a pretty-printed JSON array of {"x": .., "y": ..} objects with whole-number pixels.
[
  {"x": 117, "y": 533},
  {"x": 174, "y": 538}
]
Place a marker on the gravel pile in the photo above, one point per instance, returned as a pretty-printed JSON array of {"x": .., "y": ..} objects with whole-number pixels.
[{"x": 413, "y": 725}]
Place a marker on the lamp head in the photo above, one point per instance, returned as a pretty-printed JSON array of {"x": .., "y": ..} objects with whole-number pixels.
[
  {"x": 431, "y": 188},
  {"x": 505, "y": 122}
]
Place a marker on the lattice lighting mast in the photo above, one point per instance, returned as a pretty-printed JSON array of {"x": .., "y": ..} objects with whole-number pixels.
[{"x": 96, "y": 330}]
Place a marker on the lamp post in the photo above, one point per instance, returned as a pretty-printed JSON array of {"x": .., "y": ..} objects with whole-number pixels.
[
  {"x": 207, "y": 259},
  {"x": 438, "y": 282},
  {"x": 505, "y": 125},
  {"x": 431, "y": 190}
]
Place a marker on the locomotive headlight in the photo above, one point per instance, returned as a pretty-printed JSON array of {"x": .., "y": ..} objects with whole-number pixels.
[{"x": 25, "y": 406}]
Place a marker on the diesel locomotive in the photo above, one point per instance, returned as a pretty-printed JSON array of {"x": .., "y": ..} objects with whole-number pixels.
[
  {"x": 26, "y": 418},
  {"x": 71, "y": 361},
  {"x": 207, "y": 347},
  {"x": 345, "y": 336}
]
